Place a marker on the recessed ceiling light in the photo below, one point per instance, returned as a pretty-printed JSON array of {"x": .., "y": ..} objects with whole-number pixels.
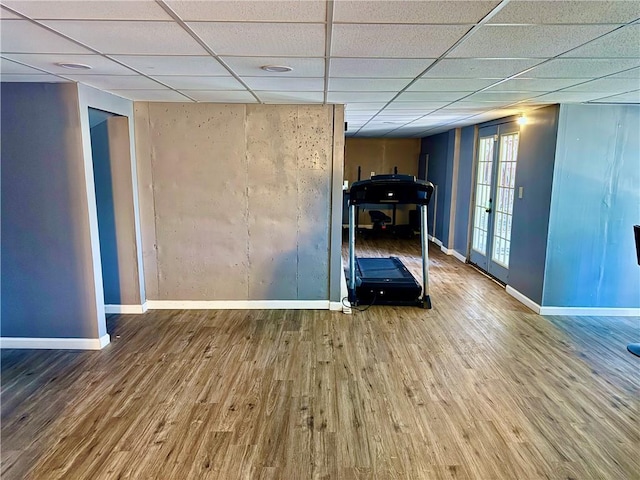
[
  {"x": 74, "y": 66},
  {"x": 276, "y": 68}
]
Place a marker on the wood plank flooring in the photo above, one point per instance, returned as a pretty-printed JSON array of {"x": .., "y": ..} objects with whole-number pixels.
[{"x": 479, "y": 387}]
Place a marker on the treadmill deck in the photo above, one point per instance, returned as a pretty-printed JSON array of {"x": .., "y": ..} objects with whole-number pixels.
[{"x": 385, "y": 281}]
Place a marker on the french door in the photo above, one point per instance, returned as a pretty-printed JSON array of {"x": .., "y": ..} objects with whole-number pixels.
[{"x": 493, "y": 200}]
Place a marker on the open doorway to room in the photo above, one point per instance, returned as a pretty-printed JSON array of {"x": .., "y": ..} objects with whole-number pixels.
[{"x": 111, "y": 158}]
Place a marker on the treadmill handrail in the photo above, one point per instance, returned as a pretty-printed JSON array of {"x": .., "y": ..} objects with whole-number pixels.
[{"x": 396, "y": 189}]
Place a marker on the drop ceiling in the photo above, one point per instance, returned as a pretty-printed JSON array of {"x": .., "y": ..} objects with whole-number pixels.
[{"x": 402, "y": 68}]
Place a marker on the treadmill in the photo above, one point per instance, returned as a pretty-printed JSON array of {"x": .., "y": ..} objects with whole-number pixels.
[{"x": 386, "y": 281}]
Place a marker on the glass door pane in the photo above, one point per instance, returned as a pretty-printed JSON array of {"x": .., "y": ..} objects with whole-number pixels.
[{"x": 483, "y": 195}]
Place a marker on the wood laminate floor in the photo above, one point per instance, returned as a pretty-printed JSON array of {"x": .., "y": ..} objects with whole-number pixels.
[{"x": 479, "y": 387}]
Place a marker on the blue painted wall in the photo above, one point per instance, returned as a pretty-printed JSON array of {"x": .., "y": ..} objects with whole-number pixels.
[
  {"x": 591, "y": 260},
  {"x": 47, "y": 274},
  {"x": 465, "y": 189},
  {"x": 534, "y": 173},
  {"x": 439, "y": 171}
]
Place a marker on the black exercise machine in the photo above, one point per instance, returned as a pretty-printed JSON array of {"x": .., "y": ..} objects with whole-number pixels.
[{"x": 386, "y": 280}]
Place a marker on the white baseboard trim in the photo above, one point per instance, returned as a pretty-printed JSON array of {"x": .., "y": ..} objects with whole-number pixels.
[
  {"x": 435, "y": 240},
  {"x": 590, "y": 311},
  {"x": 344, "y": 294},
  {"x": 335, "y": 306},
  {"x": 523, "y": 299},
  {"x": 126, "y": 309},
  {"x": 56, "y": 343},
  {"x": 458, "y": 256},
  {"x": 238, "y": 304}
]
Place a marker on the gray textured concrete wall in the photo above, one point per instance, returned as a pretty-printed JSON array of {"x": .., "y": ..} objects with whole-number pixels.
[{"x": 239, "y": 207}]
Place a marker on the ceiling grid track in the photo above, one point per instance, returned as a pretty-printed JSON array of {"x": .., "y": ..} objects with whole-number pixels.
[
  {"x": 202, "y": 43},
  {"x": 461, "y": 40},
  {"x": 327, "y": 49},
  {"x": 91, "y": 49}
]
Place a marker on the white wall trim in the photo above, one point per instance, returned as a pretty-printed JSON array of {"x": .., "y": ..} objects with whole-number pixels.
[
  {"x": 435, "y": 240},
  {"x": 56, "y": 343},
  {"x": 238, "y": 304},
  {"x": 523, "y": 299},
  {"x": 336, "y": 306},
  {"x": 448, "y": 251},
  {"x": 591, "y": 311},
  {"x": 126, "y": 309},
  {"x": 458, "y": 256}
]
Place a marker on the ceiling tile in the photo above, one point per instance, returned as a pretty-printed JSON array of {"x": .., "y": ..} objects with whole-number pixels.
[
  {"x": 624, "y": 42},
  {"x": 400, "y": 105},
  {"x": 233, "y": 96},
  {"x": 7, "y": 14},
  {"x": 165, "y": 95},
  {"x": 114, "y": 37},
  {"x": 261, "y": 39},
  {"x": 120, "y": 82},
  {"x": 431, "y": 96},
  {"x": 520, "y": 84},
  {"x": 190, "y": 82},
  {"x": 291, "y": 97},
  {"x": 608, "y": 84},
  {"x": 527, "y": 41},
  {"x": 250, "y": 10},
  {"x": 399, "y": 41},
  {"x": 567, "y": 97},
  {"x": 560, "y": 12},
  {"x": 27, "y": 78},
  {"x": 91, "y": 10},
  {"x": 364, "y": 106},
  {"x": 449, "y": 84},
  {"x": 629, "y": 73},
  {"x": 9, "y": 67},
  {"x": 99, "y": 64},
  {"x": 174, "y": 64},
  {"x": 582, "y": 67},
  {"x": 250, "y": 66},
  {"x": 504, "y": 97},
  {"x": 355, "y": 97},
  {"x": 22, "y": 36},
  {"x": 284, "y": 84},
  {"x": 367, "y": 84},
  {"x": 629, "y": 97},
  {"x": 401, "y": 11},
  {"x": 378, "y": 67},
  {"x": 479, "y": 68}
]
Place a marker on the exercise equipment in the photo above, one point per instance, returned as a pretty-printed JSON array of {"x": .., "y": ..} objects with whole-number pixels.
[{"x": 387, "y": 281}]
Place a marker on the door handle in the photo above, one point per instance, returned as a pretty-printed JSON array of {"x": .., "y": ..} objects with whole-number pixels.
[{"x": 488, "y": 210}]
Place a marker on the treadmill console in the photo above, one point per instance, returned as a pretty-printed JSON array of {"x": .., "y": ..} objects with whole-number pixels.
[{"x": 393, "y": 188}]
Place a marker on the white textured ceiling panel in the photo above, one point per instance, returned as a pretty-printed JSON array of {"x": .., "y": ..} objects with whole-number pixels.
[
  {"x": 527, "y": 41},
  {"x": 367, "y": 84},
  {"x": 234, "y": 96},
  {"x": 115, "y": 37},
  {"x": 489, "y": 96},
  {"x": 479, "y": 68},
  {"x": 582, "y": 67},
  {"x": 431, "y": 96},
  {"x": 285, "y": 84},
  {"x": 624, "y": 42},
  {"x": 378, "y": 67},
  {"x": 399, "y": 41},
  {"x": 521, "y": 84},
  {"x": 113, "y": 82},
  {"x": 629, "y": 97},
  {"x": 402, "y": 11},
  {"x": 152, "y": 95},
  {"x": 44, "y": 78},
  {"x": 200, "y": 83},
  {"x": 354, "y": 97},
  {"x": 364, "y": 106},
  {"x": 250, "y": 66},
  {"x": 567, "y": 12},
  {"x": 449, "y": 84},
  {"x": 99, "y": 64},
  {"x": 263, "y": 39},
  {"x": 22, "y": 36},
  {"x": 568, "y": 97},
  {"x": 7, "y": 14},
  {"x": 427, "y": 106},
  {"x": 173, "y": 65},
  {"x": 7, "y": 66},
  {"x": 89, "y": 10},
  {"x": 630, "y": 73},
  {"x": 291, "y": 97},
  {"x": 613, "y": 85},
  {"x": 250, "y": 11}
]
